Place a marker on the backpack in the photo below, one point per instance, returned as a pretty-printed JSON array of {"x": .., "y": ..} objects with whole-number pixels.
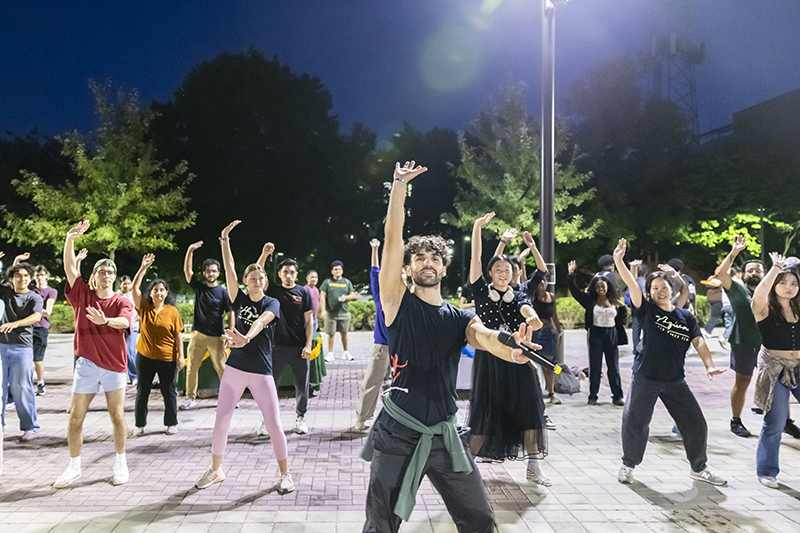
[{"x": 566, "y": 383}]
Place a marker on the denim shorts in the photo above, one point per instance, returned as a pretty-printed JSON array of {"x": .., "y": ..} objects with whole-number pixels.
[{"x": 88, "y": 378}]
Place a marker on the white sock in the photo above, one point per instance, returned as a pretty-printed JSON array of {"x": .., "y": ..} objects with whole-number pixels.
[
  {"x": 535, "y": 467},
  {"x": 121, "y": 458},
  {"x": 75, "y": 463},
  {"x": 40, "y": 382}
]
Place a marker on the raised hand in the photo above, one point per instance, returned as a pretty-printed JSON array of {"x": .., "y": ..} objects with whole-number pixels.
[
  {"x": 523, "y": 336},
  {"x": 229, "y": 227},
  {"x": 195, "y": 245},
  {"x": 571, "y": 267},
  {"x": 484, "y": 219},
  {"x": 22, "y": 257},
  {"x": 96, "y": 315},
  {"x": 408, "y": 171},
  {"x": 535, "y": 322},
  {"x": 777, "y": 259},
  {"x": 523, "y": 253},
  {"x": 509, "y": 234},
  {"x": 78, "y": 229},
  {"x": 148, "y": 260},
  {"x": 621, "y": 248},
  {"x": 82, "y": 255},
  {"x": 268, "y": 249},
  {"x": 2, "y": 255},
  {"x": 668, "y": 269},
  {"x": 636, "y": 263},
  {"x": 375, "y": 243},
  {"x": 739, "y": 244},
  {"x": 528, "y": 238}
]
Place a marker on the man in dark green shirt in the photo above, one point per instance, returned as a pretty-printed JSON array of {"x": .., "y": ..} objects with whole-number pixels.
[{"x": 334, "y": 294}]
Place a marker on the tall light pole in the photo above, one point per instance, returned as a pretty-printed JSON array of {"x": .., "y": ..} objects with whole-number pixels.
[{"x": 548, "y": 136}]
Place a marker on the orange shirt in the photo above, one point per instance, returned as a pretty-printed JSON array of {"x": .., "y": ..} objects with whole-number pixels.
[{"x": 159, "y": 331}]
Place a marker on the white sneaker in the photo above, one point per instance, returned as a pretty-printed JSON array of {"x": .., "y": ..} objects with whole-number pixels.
[
  {"x": 28, "y": 435},
  {"x": 708, "y": 476},
  {"x": 120, "y": 473},
  {"x": 138, "y": 432},
  {"x": 210, "y": 477},
  {"x": 330, "y": 358},
  {"x": 768, "y": 481},
  {"x": 285, "y": 485},
  {"x": 172, "y": 430},
  {"x": 347, "y": 356},
  {"x": 261, "y": 431},
  {"x": 625, "y": 474},
  {"x": 188, "y": 403},
  {"x": 67, "y": 478},
  {"x": 300, "y": 426}
]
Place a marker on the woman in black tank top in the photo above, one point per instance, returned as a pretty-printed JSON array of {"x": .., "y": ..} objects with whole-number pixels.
[{"x": 776, "y": 308}]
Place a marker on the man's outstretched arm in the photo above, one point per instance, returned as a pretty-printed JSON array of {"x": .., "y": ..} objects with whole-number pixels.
[{"x": 392, "y": 287}]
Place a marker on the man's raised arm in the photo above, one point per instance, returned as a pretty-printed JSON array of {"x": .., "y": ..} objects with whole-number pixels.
[
  {"x": 70, "y": 263},
  {"x": 392, "y": 286},
  {"x": 188, "y": 273},
  {"x": 724, "y": 275}
]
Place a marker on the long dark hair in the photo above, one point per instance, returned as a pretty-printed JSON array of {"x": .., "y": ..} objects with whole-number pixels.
[
  {"x": 611, "y": 290},
  {"x": 775, "y": 309},
  {"x": 169, "y": 300}
]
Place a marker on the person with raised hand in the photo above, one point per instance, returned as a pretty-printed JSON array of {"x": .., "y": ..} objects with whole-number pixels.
[
  {"x": 415, "y": 433},
  {"x": 604, "y": 320},
  {"x": 101, "y": 319},
  {"x": 249, "y": 365},
  {"x": 159, "y": 348},
  {"x": 506, "y": 413},
  {"x": 210, "y": 304},
  {"x": 776, "y": 309},
  {"x": 658, "y": 373}
]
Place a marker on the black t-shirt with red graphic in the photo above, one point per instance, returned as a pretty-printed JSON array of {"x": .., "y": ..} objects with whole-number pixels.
[{"x": 425, "y": 344}]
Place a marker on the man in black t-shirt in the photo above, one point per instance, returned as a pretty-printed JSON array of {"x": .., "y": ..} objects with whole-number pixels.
[
  {"x": 211, "y": 302},
  {"x": 426, "y": 335},
  {"x": 293, "y": 336}
]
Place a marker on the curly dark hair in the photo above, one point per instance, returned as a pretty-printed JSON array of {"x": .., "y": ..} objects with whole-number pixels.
[
  {"x": 169, "y": 300},
  {"x": 13, "y": 269},
  {"x": 428, "y": 243},
  {"x": 611, "y": 290}
]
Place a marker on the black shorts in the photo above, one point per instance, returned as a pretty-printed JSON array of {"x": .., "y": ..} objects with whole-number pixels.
[
  {"x": 39, "y": 343},
  {"x": 744, "y": 358}
]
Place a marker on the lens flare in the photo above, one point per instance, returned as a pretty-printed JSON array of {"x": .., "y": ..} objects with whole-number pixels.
[{"x": 450, "y": 59}]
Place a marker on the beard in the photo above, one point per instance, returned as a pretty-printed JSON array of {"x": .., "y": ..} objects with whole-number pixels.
[
  {"x": 419, "y": 281},
  {"x": 753, "y": 281}
]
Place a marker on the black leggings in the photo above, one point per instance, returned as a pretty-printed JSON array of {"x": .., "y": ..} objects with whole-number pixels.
[{"x": 147, "y": 369}]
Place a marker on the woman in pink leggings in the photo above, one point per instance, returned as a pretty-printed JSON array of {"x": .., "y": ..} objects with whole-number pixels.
[{"x": 249, "y": 365}]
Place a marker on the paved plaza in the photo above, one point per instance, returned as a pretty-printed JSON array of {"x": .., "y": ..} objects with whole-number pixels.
[{"x": 331, "y": 479}]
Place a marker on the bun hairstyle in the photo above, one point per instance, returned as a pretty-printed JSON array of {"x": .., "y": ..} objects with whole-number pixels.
[{"x": 251, "y": 268}]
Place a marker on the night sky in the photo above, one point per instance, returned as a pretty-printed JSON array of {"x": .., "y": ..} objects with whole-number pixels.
[{"x": 425, "y": 62}]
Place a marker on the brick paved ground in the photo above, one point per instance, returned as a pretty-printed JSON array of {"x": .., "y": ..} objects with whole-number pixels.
[{"x": 331, "y": 478}]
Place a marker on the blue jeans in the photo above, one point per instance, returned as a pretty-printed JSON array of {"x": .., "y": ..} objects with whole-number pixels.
[
  {"x": 18, "y": 377},
  {"x": 769, "y": 441},
  {"x": 130, "y": 344}
]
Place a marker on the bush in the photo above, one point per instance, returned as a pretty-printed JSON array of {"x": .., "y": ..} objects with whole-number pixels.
[
  {"x": 702, "y": 309},
  {"x": 363, "y": 315},
  {"x": 187, "y": 312},
  {"x": 570, "y": 313},
  {"x": 62, "y": 319}
]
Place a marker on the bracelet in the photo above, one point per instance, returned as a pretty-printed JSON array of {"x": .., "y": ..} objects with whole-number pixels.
[
  {"x": 224, "y": 239},
  {"x": 401, "y": 181},
  {"x": 503, "y": 241}
]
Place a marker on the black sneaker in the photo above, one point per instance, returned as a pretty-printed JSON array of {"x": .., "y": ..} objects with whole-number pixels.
[
  {"x": 40, "y": 390},
  {"x": 618, "y": 402},
  {"x": 757, "y": 410},
  {"x": 737, "y": 428},
  {"x": 792, "y": 429},
  {"x": 592, "y": 401}
]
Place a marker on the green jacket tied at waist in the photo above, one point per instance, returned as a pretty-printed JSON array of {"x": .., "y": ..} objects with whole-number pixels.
[{"x": 413, "y": 475}]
